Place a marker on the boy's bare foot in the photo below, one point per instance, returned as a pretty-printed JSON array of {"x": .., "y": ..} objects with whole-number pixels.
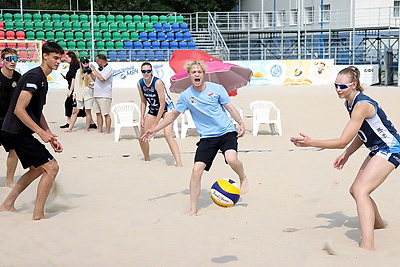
[
  {"x": 7, "y": 208},
  {"x": 192, "y": 213},
  {"x": 244, "y": 186},
  {"x": 38, "y": 217},
  {"x": 179, "y": 165}
]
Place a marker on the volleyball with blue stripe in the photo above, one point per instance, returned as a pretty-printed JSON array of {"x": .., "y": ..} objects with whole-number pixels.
[{"x": 225, "y": 193}]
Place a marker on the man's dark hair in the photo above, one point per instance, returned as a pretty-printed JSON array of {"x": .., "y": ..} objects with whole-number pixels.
[
  {"x": 102, "y": 57},
  {"x": 8, "y": 51},
  {"x": 52, "y": 47}
]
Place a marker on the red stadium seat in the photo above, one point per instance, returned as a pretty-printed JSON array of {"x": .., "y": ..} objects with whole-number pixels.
[
  {"x": 1, "y": 25},
  {"x": 12, "y": 45},
  {"x": 20, "y": 35},
  {"x": 10, "y": 35},
  {"x": 23, "y": 55},
  {"x": 2, "y": 46},
  {"x": 2, "y": 35}
]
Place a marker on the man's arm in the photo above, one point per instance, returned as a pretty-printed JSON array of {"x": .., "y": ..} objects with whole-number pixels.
[
  {"x": 169, "y": 117},
  {"x": 236, "y": 116}
]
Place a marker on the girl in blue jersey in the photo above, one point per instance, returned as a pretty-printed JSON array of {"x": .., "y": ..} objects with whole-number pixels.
[
  {"x": 153, "y": 94},
  {"x": 368, "y": 125}
]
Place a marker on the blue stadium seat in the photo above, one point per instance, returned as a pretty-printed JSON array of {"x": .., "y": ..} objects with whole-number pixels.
[
  {"x": 175, "y": 27},
  {"x": 167, "y": 27},
  {"x": 160, "y": 55},
  {"x": 140, "y": 55},
  {"x": 160, "y": 36},
  {"x": 170, "y": 36},
  {"x": 178, "y": 36},
  {"x": 173, "y": 45},
  {"x": 184, "y": 27},
  {"x": 191, "y": 45},
  {"x": 121, "y": 55},
  {"x": 149, "y": 55},
  {"x": 156, "y": 45},
  {"x": 137, "y": 45},
  {"x": 146, "y": 45},
  {"x": 112, "y": 55},
  {"x": 164, "y": 45},
  {"x": 131, "y": 55},
  {"x": 152, "y": 36},
  {"x": 158, "y": 27},
  {"x": 187, "y": 36},
  {"x": 143, "y": 36},
  {"x": 182, "y": 45},
  {"x": 128, "y": 45}
]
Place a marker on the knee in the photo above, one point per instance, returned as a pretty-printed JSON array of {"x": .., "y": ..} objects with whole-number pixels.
[
  {"x": 357, "y": 191},
  {"x": 231, "y": 160},
  {"x": 52, "y": 167},
  {"x": 198, "y": 169}
]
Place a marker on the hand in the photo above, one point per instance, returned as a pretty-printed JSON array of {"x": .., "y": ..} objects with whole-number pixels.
[
  {"x": 47, "y": 136},
  {"x": 148, "y": 135},
  {"x": 302, "y": 141},
  {"x": 241, "y": 131},
  {"x": 56, "y": 146},
  {"x": 340, "y": 161}
]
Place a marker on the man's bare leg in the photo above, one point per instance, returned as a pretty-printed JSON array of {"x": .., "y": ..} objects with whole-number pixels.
[
  {"x": 237, "y": 166},
  {"x": 50, "y": 171},
  {"x": 12, "y": 161},
  {"x": 195, "y": 186},
  {"x": 99, "y": 122},
  {"x": 25, "y": 180},
  {"x": 107, "y": 118}
]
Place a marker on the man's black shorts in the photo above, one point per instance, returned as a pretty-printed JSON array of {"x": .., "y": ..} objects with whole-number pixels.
[
  {"x": 207, "y": 148},
  {"x": 29, "y": 150},
  {"x": 3, "y": 141}
]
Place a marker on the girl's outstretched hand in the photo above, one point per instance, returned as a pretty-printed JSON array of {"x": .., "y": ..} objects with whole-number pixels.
[
  {"x": 340, "y": 161},
  {"x": 302, "y": 141}
]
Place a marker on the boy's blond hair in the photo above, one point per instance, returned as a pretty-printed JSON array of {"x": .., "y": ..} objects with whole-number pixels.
[{"x": 188, "y": 65}]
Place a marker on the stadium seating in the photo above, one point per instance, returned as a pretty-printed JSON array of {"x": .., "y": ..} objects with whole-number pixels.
[
  {"x": 121, "y": 55},
  {"x": 101, "y": 18},
  {"x": 30, "y": 35},
  {"x": 128, "y": 45},
  {"x": 74, "y": 18},
  {"x": 131, "y": 55},
  {"x": 128, "y": 18},
  {"x": 46, "y": 17},
  {"x": 110, "y": 45},
  {"x": 64, "y": 17},
  {"x": 110, "y": 18},
  {"x": 160, "y": 36},
  {"x": 49, "y": 36},
  {"x": 27, "y": 17},
  {"x": 149, "y": 54},
  {"x": 20, "y": 35},
  {"x": 10, "y": 35},
  {"x": 60, "y": 36},
  {"x": 119, "y": 18},
  {"x": 140, "y": 55},
  {"x": 23, "y": 55},
  {"x": 119, "y": 45},
  {"x": 19, "y": 25},
  {"x": 112, "y": 55},
  {"x": 137, "y": 45},
  {"x": 55, "y": 17}
]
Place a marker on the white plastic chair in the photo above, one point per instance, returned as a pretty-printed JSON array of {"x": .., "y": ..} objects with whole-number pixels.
[
  {"x": 186, "y": 123},
  {"x": 125, "y": 115},
  {"x": 262, "y": 114}
]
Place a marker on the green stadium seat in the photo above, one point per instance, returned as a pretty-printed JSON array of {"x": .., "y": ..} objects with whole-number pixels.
[
  {"x": 119, "y": 45},
  {"x": 145, "y": 19},
  {"x": 64, "y": 17},
  {"x": 128, "y": 18},
  {"x": 30, "y": 35},
  {"x": 113, "y": 26},
  {"x": 55, "y": 17},
  {"x": 171, "y": 19},
  {"x": 154, "y": 19},
  {"x": 100, "y": 45},
  {"x": 37, "y": 17},
  {"x": 40, "y": 35},
  {"x": 94, "y": 18},
  {"x": 19, "y": 25},
  {"x": 58, "y": 26},
  {"x": 149, "y": 27},
  {"x": 96, "y": 26},
  {"x": 101, "y": 18},
  {"x": 116, "y": 36},
  {"x": 48, "y": 26},
  {"x": 131, "y": 26},
  {"x": 71, "y": 45},
  {"x": 59, "y": 35},
  {"x": 69, "y": 35},
  {"x": 107, "y": 36},
  {"x": 84, "y": 18},
  {"x": 1, "y": 17},
  {"x": 81, "y": 45},
  {"x": 84, "y": 53},
  {"x": 49, "y": 36},
  {"x": 125, "y": 36},
  {"x": 78, "y": 36},
  {"x": 98, "y": 36},
  {"x": 38, "y": 25},
  {"x": 28, "y": 25},
  {"x": 109, "y": 45},
  {"x": 119, "y": 18},
  {"x": 7, "y": 17},
  {"x": 102, "y": 52},
  {"x": 122, "y": 26},
  {"x": 140, "y": 27},
  {"x": 104, "y": 26},
  {"x": 87, "y": 36},
  {"x": 9, "y": 25},
  {"x": 180, "y": 19},
  {"x": 63, "y": 44},
  {"x": 85, "y": 26},
  {"x": 110, "y": 18},
  {"x": 74, "y": 18},
  {"x": 134, "y": 36},
  {"x": 17, "y": 17},
  {"x": 137, "y": 18},
  {"x": 27, "y": 17},
  {"x": 67, "y": 25},
  {"x": 46, "y": 17},
  {"x": 163, "y": 19},
  {"x": 76, "y": 26}
]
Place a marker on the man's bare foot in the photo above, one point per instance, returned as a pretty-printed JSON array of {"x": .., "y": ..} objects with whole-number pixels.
[
  {"x": 379, "y": 225},
  {"x": 67, "y": 130},
  {"x": 192, "y": 213},
  {"x": 7, "y": 208},
  {"x": 244, "y": 186},
  {"x": 179, "y": 165},
  {"x": 10, "y": 185},
  {"x": 38, "y": 217},
  {"x": 107, "y": 132}
]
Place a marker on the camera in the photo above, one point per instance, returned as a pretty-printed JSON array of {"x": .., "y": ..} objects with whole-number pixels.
[
  {"x": 87, "y": 70},
  {"x": 74, "y": 103}
]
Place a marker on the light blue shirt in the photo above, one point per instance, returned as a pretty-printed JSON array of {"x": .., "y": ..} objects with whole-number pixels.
[{"x": 206, "y": 108}]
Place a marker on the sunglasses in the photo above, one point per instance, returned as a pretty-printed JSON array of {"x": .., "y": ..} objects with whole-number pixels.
[
  {"x": 11, "y": 58},
  {"x": 342, "y": 86},
  {"x": 85, "y": 62},
  {"x": 146, "y": 71}
]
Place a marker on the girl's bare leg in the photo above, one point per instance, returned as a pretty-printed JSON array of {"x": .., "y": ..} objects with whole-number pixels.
[{"x": 173, "y": 145}]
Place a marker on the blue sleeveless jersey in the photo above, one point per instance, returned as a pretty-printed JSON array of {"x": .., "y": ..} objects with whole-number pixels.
[
  {"x": 377, "y": 132},
  {"x": 151, "y": 95}
]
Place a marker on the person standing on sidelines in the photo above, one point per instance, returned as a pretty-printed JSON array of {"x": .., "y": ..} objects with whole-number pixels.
[
  {"x": 368, "y": 125},
  {"x": 103, "y": 82},
  {"x": 25, "y": 117},
  {"x": 9, "y": 78},
  {"x": 207, "y": 102},
  {"x": 152, "y": 91}
]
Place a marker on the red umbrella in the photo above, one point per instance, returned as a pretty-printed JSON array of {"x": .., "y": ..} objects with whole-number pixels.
[
  {"x": 229, "y": 75},
  {"x": 180, "y": 57}
]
